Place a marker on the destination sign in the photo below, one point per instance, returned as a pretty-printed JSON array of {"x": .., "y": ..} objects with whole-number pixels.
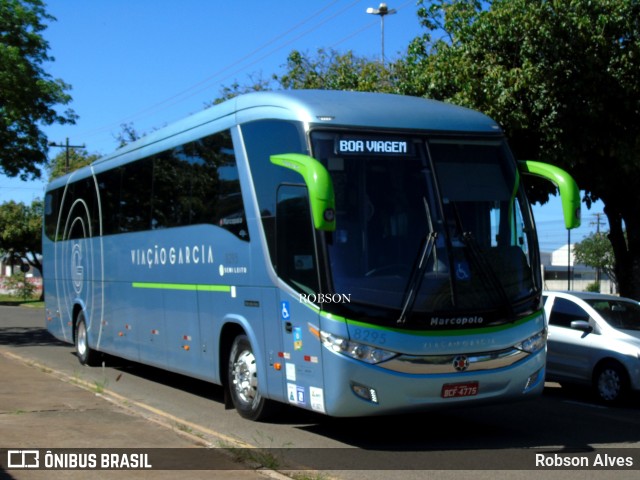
[{"x": 373, "y": 146}]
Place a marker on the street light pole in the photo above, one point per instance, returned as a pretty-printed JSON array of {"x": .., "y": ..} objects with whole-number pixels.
[{"x": 382, "y": 10}]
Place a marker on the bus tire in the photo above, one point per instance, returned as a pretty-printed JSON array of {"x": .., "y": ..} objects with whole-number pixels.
[
  {"x": 243, "y": 381},
  {"x": 86, "y": 355}
]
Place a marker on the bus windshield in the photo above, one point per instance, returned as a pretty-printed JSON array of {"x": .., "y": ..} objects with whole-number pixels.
[{"x": 428, "y": 230}]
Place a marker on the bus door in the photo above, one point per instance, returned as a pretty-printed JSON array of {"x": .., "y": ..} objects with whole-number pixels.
[{"x": 297, "y": 266}]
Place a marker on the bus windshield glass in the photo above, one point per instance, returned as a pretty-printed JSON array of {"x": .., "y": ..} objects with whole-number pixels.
[{"x": 428, "y": 229}]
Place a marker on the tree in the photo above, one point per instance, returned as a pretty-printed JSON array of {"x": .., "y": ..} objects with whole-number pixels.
[
  {"x": 326, "y": 70},
  {"x": 127, "y": 135},
  {"x": 28, "y": 94},
  {"x": 21, "y": 231},
  {"x": 77, "y": 158},
  {"x": 256, "y": 84},
  {"x": 595, "y": 251},
  {"x": 563, "y": 79},
  {"x": 19, "y": 286},
  {"x": 330, "y": 70}
]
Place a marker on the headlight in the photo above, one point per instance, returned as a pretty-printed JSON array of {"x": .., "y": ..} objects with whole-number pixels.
[
  {"x": 534, "y": 343},
  {"x": 359, "y": 351}
]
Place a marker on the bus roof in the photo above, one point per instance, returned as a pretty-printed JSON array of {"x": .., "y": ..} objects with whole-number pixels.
[
  {"x": 319, "y": 107},
  {"x": 365, "y": 109}
]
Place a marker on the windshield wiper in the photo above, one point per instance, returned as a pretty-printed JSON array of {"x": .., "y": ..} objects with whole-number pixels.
[
  {"x": 487, "y": 271},
  {"x": 419, "y": 267}
]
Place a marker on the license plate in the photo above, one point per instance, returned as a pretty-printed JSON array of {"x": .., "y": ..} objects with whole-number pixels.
[{"x": 453, "y": 390}]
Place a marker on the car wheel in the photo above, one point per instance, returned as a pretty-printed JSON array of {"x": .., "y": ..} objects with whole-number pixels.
[
  {"x": 86, "y": 355},
  {"x": 243, "y": 381},
  {"x": 611, "y": 382}
]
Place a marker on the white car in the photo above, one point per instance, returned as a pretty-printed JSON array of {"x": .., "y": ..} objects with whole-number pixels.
[{"x": 594, "y": 339}]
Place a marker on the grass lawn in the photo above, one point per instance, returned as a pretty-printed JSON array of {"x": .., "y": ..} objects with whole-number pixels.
[{"x": 13, "y": 300}]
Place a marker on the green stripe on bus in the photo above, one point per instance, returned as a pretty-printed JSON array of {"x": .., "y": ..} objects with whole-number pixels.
[
  {"x": 434, "y": 333},
  {"x": 182, "y": 286}
]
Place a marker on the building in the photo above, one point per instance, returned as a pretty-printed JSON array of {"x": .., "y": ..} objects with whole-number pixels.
[{"x": 560, "y": 272}]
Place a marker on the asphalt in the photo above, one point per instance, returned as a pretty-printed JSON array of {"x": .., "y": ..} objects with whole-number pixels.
[{"x": 41, "y": 410}]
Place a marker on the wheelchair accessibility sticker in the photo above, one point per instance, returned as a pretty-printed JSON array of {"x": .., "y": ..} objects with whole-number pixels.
[
  {"x": 462, "y": 271},
  {"x": 284, "y": 310}
]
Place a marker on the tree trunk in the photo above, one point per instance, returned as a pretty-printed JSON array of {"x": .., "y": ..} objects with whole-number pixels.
[{"x": 626, "y": 248}]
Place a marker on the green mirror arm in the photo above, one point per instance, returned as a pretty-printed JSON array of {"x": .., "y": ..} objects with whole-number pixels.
[
  {"x": 569, "y": 191},
  {"x": 319, "y": 184}
]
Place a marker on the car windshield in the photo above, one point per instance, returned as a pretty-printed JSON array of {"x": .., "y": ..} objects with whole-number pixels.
[
  {"x": 427, "y": 228},
  {"x": 621, "y": 314}
]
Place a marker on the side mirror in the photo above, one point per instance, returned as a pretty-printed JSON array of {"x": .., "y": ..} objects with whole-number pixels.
[
  {"x": 319, "y": 184},
  {"x": 581, "y": 325},
  {"x": 569, "y": 192}
]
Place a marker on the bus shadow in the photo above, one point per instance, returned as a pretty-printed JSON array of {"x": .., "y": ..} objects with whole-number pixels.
[
  {"x": 28, "y": 337},
  {"x": 555, "y": 418},
  {"x": 177, "y": 381}
]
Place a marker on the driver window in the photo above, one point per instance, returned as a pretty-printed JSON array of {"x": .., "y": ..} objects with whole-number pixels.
[{"x": 296, "y": 257}]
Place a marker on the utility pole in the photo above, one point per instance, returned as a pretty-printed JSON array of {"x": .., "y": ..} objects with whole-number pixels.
[
  {"x": 568, "y": 259},
  {"x": 597, "y": 215},
  {"x": 66, "y": 146}
]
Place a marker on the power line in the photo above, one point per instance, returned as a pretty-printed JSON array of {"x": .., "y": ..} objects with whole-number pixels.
[{"x": 206, "y": 82}]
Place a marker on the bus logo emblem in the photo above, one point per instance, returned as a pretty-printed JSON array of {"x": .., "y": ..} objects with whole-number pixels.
[
  {"x": 461, "y": 363},
  {"x": 77, "y": 270}
]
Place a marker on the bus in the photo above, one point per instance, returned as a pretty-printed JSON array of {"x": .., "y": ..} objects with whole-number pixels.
[{"x": 349, "y": 253}]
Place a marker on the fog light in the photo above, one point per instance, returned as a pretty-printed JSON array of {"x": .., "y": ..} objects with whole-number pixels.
[
  {"x": 533, "y": 380},
  {"x": 366, "y": 393}
]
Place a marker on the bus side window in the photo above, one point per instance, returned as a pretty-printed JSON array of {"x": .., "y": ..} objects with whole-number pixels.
[{"x": 296, "y": 258}]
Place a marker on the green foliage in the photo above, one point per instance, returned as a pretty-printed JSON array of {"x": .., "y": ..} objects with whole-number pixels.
[
  {"x": 596, "y": 251},
  {"x": 593, "y": 287},
  {"x": 324, "y": 70},
  {"x": 21, "y": 231},
  {"x": 65, "y": 162},
  {"x": 127, "y": 135},
  {"x": 547, "y": 71},
  {"x": 27, "y": 93},
  {"x": 19, "y": 286},
  {"x": 256, "y": 85},
  {"x": 330, "y": 70}
]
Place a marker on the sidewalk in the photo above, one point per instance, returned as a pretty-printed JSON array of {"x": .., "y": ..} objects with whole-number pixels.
[{"x": 40, "y": 411}]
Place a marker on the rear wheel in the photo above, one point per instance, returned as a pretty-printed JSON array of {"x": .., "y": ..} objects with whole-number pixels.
[
  {"x": 243, "y": 381},
  {"x": 86, "y": 354},
  {"x": 611, "y": 382}
]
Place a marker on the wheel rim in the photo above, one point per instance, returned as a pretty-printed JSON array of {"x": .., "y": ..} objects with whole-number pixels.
[
  {"x": 609, "y": 384},
  {"x": 82, "y": 339},
  {"x": 245, "y": 377}
]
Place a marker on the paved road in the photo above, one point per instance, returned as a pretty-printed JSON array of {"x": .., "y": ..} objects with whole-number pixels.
[
  {"x": 500, "y": 436},
  {"x": 43, "y": 409}
]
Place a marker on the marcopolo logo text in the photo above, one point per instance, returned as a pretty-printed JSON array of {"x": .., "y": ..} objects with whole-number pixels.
[{"x": 456, "y": 321}]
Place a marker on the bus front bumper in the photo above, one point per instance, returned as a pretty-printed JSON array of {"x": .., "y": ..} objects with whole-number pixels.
[{"x": 353, "y": 388}]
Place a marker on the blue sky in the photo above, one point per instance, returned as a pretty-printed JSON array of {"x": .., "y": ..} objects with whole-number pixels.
[{"x": 152, "y": 62}]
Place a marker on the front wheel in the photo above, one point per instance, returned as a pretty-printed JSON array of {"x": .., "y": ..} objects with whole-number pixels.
[
  {"x": 85, "y": 353},
  {"x": 611, "y": 383},
  {"x": 243, "y": 381}
]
